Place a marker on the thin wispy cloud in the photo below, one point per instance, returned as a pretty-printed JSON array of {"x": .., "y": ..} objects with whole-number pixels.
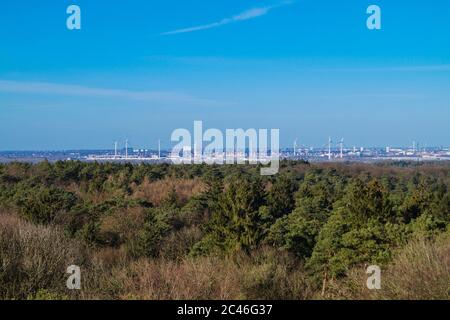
[
  {"x": 45, "y": 88},
  {"x": 243, "y": 16}
]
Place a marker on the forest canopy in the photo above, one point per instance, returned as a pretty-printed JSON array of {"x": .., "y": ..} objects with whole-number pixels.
[{"x": 296, "y": 235}]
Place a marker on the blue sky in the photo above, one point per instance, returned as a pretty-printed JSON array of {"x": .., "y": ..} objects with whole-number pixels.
[{"x": 140, "y": 69}]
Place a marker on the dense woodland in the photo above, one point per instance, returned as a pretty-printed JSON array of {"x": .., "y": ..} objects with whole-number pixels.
[{"x": 224, "y": 232}]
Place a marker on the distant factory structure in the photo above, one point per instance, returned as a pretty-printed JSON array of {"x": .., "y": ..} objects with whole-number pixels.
[
  {"x": 126, "y": 154},
  {"x": 339, "y": 151},
  {"x": 333, "y": 150}
]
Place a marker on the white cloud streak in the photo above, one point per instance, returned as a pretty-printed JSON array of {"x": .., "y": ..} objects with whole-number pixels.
[
  {"x": 243, "y": 16},
  {"x": 45, "y": 88}
]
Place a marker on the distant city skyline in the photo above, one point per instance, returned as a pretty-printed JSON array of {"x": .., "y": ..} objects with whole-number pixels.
[
  {"x": 167, "y": 146},
  {"x": 189, "y": 155},
  {"x": 141, "y": 69}
]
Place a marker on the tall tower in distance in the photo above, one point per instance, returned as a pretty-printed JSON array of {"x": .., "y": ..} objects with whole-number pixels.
[
  {"x": 329, "y": 148},
  {"x": 159, "y": 148},
  {"x": 295, "y": 147}
]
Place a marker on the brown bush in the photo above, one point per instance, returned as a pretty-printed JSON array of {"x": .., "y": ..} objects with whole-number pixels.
[
  {"x": 420, "y": 271},
  {"x": 178, "y": 244},
  {"x": 33, "y": 258},
  {"x": 158, "y": 191},
  {"x": 266, "y": 274},
  {"x": 202, "y": 278},
  {"x": 123, "y": 223},
  {"x": 271, "y": 274}
]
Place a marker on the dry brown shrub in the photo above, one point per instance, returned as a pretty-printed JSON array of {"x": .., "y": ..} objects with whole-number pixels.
[
  {"x": 420, "y": 271},
  {"x": 192, "y": 279},
  {"x": 271, "y": 274},
  {"x": 123, "y": 222},
  {"x": 179, "y": 243},
  {"x": 80, "y": 190},
  {"x": 108, "y": 257},
  {"x": 16, "y": 170},
  {"x": 156, "y": 192},
  {"x": 266, "y": 274},
  {"x": 34, "y": 257}
]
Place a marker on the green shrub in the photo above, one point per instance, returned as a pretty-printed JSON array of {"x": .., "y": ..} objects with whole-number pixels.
[
  {"x": 147, "y": 242},
  {"x": 42, "y": 204},
  {"x": 43, "y": 294}
]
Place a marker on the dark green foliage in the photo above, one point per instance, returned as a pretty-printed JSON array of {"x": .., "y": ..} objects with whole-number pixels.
[
  {"x": 318, "y": 193},
  {"x": 41, "y": 204},
  {"x": 280, "y": 198},
  {"x": 90, "y": 233},
  {"x": 362, "y": 228},
  {"x": 148, "y": 239},
  {"x": 295, "y": 233},
  {"x": 315, "y": 198},
  {"x": 236, "y": 222},
  {"x": 194, "y": 213}
]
